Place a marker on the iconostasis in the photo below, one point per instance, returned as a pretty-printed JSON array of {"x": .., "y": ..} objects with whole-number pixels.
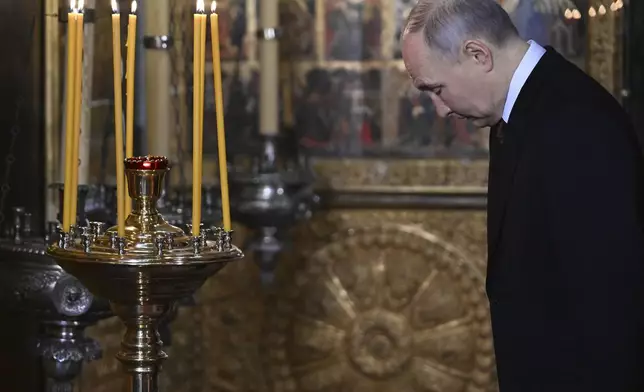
[{"x": 344, "y": 90}]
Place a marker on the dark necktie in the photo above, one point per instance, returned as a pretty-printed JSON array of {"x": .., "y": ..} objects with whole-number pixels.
[{"x": 498, "y": 130}]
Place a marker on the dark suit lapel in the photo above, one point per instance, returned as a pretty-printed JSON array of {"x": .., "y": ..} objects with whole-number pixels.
[{"x": 505, "y": 151}]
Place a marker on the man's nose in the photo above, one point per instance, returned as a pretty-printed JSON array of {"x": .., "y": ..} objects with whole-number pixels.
[{"x": 441, "y": 109}]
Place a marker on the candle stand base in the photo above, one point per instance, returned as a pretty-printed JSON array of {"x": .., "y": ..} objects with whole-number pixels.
[{"x": 146, "y": 271}]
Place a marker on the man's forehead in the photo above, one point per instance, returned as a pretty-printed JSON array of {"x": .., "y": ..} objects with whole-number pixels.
[{"x": 416, "y": 55}]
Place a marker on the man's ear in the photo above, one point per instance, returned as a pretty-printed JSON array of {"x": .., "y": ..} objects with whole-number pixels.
[{"x": 478, "y": 52}]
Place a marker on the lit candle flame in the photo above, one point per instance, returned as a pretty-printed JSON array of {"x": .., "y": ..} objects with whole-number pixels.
[
  {"x": 213, "y": 7},
  {"x": 133, "y": 11},
  {"x": 602, "y": 10},
  {"x": 613, "y": 6},
  {"x": 81, "y": 5},
  {"x": 576, "y": 14},
  {"x": 592, "y": 12},
  {"x": 72, "y": 5},
  {"x": 115, "y": 7},
  {"x": 568, "y": 13},
  {"x": 201, "y": 6}
]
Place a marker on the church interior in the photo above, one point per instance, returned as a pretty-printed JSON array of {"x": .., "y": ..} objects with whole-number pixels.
[{"x": 350, "y": 218}]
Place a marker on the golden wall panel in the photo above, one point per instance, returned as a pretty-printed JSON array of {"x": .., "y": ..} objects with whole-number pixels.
[{"x": 382, "y": 300}]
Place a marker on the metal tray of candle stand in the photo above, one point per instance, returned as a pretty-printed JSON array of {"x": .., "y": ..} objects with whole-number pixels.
[{"x": 147, "y": 270}]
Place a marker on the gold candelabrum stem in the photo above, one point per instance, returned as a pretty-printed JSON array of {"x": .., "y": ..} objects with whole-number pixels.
[
  {"x": 141, "y": 351},
  {"x": 145, "y": 272}
]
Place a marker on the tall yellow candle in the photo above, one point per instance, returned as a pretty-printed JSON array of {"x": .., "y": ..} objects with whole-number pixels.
[
  {"x": 197, "y": 122},
  {"x": 129, "y": 90},
  {"x": 202, "y": 66},
  {"x": 78, "y": 94},
  {"x": 202, "y": 94},
  {"x": 69, "y": 115},
  {"x": 219, "y": 109},
  {"x": 118, "y": 119}
]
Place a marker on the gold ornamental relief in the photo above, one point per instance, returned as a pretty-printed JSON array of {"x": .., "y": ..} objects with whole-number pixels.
[
  {"x": 390, "y": 308},
  {"x": 464, "y": 229},
  {"x": 429, "y": 174}
]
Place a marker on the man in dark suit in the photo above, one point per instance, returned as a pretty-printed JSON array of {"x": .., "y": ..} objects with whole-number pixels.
[{"x": 565, "y": 274}]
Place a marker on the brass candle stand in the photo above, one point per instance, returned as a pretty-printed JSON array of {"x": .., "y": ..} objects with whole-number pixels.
[{"x": 144, "y": 272}]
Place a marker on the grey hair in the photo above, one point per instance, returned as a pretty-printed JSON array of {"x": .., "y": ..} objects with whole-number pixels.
[{"x": 445, "y": 24}]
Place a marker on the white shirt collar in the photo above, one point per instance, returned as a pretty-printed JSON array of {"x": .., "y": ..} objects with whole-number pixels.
[{"x": 521, "y": 74}]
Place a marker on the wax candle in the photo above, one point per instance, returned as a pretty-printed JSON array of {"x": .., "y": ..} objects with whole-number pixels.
[
  {"x": 219, "y": 110},
  {"x": 129, "y": 92},
  {"x": 69, "y": 114},
  {"x": 158, "y": 67},
  {"x": 269, "y": 66},
  {"x": 202, "y": 93},
  {"x": 78, "y": 94},
  {"x": 197, "y": 122},
  {"x": 118, "y": 119}
]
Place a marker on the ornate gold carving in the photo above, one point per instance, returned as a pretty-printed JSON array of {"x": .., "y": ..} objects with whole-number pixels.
[
  {"x": 442, "y": 175},
  {"x": 230, "y": 324},
  {"x": 466, "y": 230},
  {"x": 393, "y": 307}
]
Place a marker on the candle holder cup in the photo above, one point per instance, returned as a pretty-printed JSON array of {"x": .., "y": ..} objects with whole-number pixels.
[{"x": 145, "y": 272}]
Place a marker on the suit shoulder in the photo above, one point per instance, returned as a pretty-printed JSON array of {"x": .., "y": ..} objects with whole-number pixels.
[{"x": 575, "y": 99}]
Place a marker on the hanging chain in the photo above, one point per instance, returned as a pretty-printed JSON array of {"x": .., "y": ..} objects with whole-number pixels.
[{"x": 10, "y": 158}]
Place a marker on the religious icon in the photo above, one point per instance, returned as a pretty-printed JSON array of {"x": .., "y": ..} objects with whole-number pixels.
[
  {"x": 416, "y": 119},
  {"x": 338, "y": 111},
  {"x": 298, "y": 22},
  {"x": 403, "y": 7},
  {"x": 240, "y": 93},
  {"x": 353, "y": 29},
  {"x": 232, "y": 29}
]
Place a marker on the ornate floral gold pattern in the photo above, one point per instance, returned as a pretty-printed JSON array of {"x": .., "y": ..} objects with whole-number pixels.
[
  {"x": 389, "y": 307},
  {"x": 445, "y": 175},
  {"x": 464, "y": 229}
]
